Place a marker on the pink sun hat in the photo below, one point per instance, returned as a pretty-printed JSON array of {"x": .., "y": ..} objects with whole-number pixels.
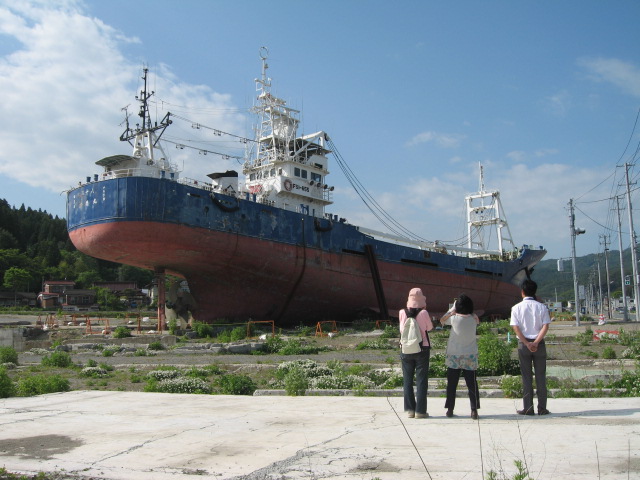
[{"x": 416, "y": 299}]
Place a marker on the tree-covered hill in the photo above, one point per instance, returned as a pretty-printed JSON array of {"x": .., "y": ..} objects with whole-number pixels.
[{"x": 551, "y": 282}]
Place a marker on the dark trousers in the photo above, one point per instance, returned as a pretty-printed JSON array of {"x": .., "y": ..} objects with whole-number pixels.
[
  {"x": 530, "y": 362},
  {"x": 453, "y": 375},
  {"x": 415, "y": 364}
]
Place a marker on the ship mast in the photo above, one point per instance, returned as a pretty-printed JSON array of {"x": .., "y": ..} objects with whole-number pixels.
[
  {"x": 278, "y": 124},
  {"x": 286, "y": 171},
  {"x": 484, "y": 210},
  {"x": 145, "y": 139}
]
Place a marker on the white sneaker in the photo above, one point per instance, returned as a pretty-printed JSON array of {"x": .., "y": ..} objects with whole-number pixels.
[{"x": 411, "y": 413}]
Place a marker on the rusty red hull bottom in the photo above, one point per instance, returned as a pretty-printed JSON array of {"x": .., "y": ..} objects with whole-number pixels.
[{"x": 239, "y": 277}]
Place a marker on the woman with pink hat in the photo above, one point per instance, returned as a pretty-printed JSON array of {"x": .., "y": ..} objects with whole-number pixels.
[{"x": 416, "y": 364}]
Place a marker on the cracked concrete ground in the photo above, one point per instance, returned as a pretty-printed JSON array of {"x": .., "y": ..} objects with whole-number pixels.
[{"x": 131, "y": 436}]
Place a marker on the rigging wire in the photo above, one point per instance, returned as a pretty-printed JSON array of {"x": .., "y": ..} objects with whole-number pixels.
[
  {"x": 595, "y": 221},
  {"x": 187, "y": 108},
  {"x": 204, "y": 151},
  {"x": 374, "y": 207},
  {"x": 216, "y": 131}
]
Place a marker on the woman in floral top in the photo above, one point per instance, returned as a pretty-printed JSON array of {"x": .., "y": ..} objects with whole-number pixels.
[{"x": 462, "y": 353}]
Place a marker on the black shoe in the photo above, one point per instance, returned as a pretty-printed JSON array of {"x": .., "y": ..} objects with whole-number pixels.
[
  {"x": 474, "y": 414},
  {"x": 525, "y": 412},
  {"x": 543, "y": 411},
  {"x": 450, "y": 412}
]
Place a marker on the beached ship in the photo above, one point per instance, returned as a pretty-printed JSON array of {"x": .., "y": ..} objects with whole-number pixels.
[{"x": 264, "y": 247}]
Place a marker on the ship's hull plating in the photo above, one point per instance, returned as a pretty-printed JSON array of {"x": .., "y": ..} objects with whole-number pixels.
[{"x": 246, "y": 260}]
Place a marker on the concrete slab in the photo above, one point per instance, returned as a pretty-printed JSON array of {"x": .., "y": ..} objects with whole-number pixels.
[{"x": 131, "y": 436}]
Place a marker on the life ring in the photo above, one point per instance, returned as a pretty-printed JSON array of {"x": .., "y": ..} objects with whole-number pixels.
[{"x": 223, "y": 205}]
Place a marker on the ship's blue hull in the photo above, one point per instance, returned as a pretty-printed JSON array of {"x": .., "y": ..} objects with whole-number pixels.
[{"x": 245, "y": 259}]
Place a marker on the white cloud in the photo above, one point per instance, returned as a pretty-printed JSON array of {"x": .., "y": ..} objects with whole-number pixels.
[
  {"x": 516, "y": 156},
  {"x": 520, "y": 156},
  {"x": 559, "y": 103},
  {"x": 63, "y": 89},
  {"x": 444, "y": 140},
  {"x": 623, "y": 75}
]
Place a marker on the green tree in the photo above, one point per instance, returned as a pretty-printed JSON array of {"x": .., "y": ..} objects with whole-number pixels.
[
  {"x": 16, "y": 279},
  {"x": 107, "y": 300},
  {"x": 88, "y": 278}
]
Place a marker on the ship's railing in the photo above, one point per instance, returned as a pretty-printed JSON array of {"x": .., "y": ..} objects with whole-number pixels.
[
  {"x": 196, "y": 183},
  {"x": 505, "y": 255},
  {"x": 133, "y": 172}
]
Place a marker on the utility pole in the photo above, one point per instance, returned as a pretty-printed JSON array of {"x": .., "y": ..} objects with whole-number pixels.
[
  {"x": 606, "y": 266},
  {"x": 574, "y": 231},
  {"x": 600, "y": 290},
  {"x": 632, "y": 233},
  {"x": 624, "y": 295}
]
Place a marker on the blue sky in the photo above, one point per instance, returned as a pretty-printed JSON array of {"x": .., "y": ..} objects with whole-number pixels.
[{"x": 414, "y": 94}]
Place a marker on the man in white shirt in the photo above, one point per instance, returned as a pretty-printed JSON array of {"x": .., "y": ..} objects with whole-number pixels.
[{"x": 530, "y": 321}]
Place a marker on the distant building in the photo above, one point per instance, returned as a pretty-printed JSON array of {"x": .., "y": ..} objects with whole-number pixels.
[
  {"x": 17, "y": 299},
  {"x": 554, "y": 306},
  {"x": 63, "y": 294},
  {"x": 128, "y": 292}
]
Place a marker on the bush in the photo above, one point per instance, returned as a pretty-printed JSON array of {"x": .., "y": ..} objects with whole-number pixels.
[
  {"x": 608, "y": 352},
  {"x": 8, "y": 355},
  {"x": 7, "y": 387},
  {"x": 295, "y": 347},
  {"x": 437, "y": 367},
  {"x": 391, "y": 331},
  {"x": 585, "y": 338},
  {"x": 296, "y": 382},
  {"x": 57, "y": 359},
  {"x": 629, "y": 383},
  {"x": 377, "y": 344},
  {"x": 94, "y": 372},
  {"x": 238, "y": 333},
  {"x": 274, "y": 344},
  {"x": 310, "y": 368},
  {"x": 41, "y": 384},
  {"x": 305, "y": 330},
  {"x": 157, "y": 345},
  {"x": 632, "y": 352},
  {"x": 341, "y": 382},
  {"x": 164, "y": 374},
  {"x": 224, "y": 336},
  {"x": 484, "y": 328},
  {"x": 511, "y": 386},
  {"x": 110, "y": 351},
  {"x": 173, "y": 326},
  {"x": 183, "y": 385},
  {"x": 629, "y": 339},
  {"x": 121, "y": 332},
  {"x": 494, "y": 357},
  {"x": 204, "y": 330},
  {"x": 233, "y": 384}
]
